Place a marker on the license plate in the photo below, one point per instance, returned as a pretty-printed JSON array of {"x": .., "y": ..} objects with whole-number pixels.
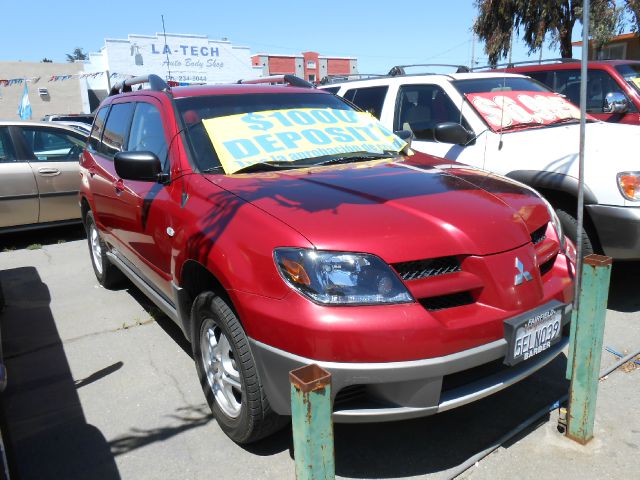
[{"x": 530, "y": 334}]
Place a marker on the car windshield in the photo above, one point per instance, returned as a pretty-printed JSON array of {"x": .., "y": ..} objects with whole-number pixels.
[
  {"x": 631, "y": 74},
  {"x": 248, "y": 132},
  {"x": 516, "y": 103}
]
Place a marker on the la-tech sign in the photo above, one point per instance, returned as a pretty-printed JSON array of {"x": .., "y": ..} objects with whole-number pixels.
[{"x": 183, "y": 58}]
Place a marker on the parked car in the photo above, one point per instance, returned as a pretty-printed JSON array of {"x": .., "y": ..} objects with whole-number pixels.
[
  {"x": 515, "y": 126},
  {"x": 84, "y": 128},
  {"x": 279, "y": 227},
  {"x": 613, "y": 86},
  {"x": 70, "y": 117},
  {"x": 39, "y": 179}
]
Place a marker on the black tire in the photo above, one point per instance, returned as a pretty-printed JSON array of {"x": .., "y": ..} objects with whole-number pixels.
[
  {"x": 570, "y": 228},
  {"x": 107, "y": 274},
  {"x": 249, "y": 418}
]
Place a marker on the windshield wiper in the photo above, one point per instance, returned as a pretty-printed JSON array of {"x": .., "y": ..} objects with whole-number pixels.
[
  {"x": 267, "y": 166},
  {"x": 354, "y": 157},
  {"x": 515, "y": 126},
  {"x": 559, "y": 121}
]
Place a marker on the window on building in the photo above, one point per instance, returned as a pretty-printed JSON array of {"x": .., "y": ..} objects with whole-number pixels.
[
  {"x": 369, "y": 99},
  {"x": 312, "y": 77},
  {"x": 311, "y": 65},
  {"x": 616, "y": 51}
]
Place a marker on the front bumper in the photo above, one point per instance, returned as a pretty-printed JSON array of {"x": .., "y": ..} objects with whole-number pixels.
[
  {"x": 378, "y": 392},
  {"x": 618, "y": 230}
]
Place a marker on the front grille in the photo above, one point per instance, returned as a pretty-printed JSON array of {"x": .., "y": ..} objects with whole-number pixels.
[
  {"x": 539, "y": 235},
  {"x": 465, "y": 377},
  {"x": 548, "y": 265},
  {"x": 447, "y": 301},
  {"x": 432, "y": 267},
  {"x": 349, "y": 395}
]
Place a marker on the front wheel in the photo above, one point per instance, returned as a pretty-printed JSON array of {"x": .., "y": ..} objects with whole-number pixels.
[
  {"x": 228, "y": 374},
  {"x": 570, "y": 228}
]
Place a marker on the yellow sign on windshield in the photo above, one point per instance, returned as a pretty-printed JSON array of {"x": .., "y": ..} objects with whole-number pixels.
[
  {"x": 636, "y": 81},
  {"x": 296, "y": 134}
]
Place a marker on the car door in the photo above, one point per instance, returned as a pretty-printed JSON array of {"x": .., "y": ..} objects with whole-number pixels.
[
  {"x": 419, "y": 108},
  {"x": 18, "y": 189},
  {"x": 148, "y": 236},
  {"x": 53, "y": 159}
]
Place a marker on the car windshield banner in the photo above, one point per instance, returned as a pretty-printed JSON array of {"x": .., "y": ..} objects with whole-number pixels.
[
  {"x": 296, "y": 134},
  {"x": 522, "y": 109}
]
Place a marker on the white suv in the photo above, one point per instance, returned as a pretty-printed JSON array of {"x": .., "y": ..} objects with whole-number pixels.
[{"x": 515, "y": 126}]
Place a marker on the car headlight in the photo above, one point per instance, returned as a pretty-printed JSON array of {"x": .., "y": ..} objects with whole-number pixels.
[
  {"x": 555, "y": 221},
  {"x": 340, "y": 278},
  {"x": 629, "y": 185}
]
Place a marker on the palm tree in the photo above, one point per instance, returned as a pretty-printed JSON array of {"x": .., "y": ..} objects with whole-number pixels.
[{"x": 77, "y": 54}]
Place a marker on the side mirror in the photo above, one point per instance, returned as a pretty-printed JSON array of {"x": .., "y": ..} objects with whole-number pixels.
[
  {"x": 451, "y": 132},
  {"x": 140, "y": 166},
  {"x": 405, "y": 136},
  {"x": 615, "y": 102}
]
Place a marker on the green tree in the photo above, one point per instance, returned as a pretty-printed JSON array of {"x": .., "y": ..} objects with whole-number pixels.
[
  {"x": 539, "y": 19},
  {"x": 77, "y": 54},
  {"x": 632, "y": 9}
]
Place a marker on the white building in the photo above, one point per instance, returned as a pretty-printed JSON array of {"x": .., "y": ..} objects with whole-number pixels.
[{"x": 179, "y": 57}]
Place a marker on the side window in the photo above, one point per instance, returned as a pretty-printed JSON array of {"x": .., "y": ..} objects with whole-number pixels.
[
  {"x": 50, "y": 145},
  {"x": 419, "y": 108},
  {"x": 369, "y": 99},
  {"x": 116, "y": 128},
  {"x": 98, "y": 128},
  {"x": 7, "y": 154},
  {"x": 599, "y": 84},
  {"x": 147, "y": 132}
]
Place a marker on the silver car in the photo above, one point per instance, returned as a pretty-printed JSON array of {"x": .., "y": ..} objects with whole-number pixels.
[{"x": 39, "y": 178}]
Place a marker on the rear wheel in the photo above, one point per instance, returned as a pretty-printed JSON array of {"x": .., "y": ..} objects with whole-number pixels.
[
  {"x": 107, "y": 274},
  {"x": 228, "y": 374}
]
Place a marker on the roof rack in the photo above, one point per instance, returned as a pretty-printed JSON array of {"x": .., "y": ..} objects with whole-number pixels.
[
  {"x": 526, "y": 62},
  {"x": 277, "y": 79},
  {"x": 400, "y": 69},
  {"x": 348, "y": 77},
  {"x": 155, "y": 83}
]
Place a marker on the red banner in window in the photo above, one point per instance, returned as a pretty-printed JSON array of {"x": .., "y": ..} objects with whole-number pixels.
[{"x": 513, "y": 110}]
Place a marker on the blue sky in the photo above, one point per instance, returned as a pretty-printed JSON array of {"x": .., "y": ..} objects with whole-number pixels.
[{"x": 380, "y": 34}]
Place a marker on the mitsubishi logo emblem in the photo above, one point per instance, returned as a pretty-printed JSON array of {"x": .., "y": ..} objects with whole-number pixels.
[{"x": 522, "y": 274}]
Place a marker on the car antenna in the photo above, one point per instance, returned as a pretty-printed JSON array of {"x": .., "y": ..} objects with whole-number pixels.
[{"x": 166, "y": 50}]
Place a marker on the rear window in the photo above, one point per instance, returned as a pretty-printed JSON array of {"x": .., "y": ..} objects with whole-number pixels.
[
  {"x": 117, "y": 128},
  {"x": 369, "y": 99},
  {"x": 98, "y": 127},
  {"x": 6, "y": 146}
]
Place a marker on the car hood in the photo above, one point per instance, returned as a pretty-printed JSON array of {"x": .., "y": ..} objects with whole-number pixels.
[{"x": 398, "y": 209}]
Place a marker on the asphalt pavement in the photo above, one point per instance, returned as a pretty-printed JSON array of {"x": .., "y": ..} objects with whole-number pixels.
[{"x": 102, "y": 386}]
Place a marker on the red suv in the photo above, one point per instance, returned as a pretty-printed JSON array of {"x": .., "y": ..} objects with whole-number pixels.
[
  {"x": 280, "y": 227},
  {"x": 613, "y": 86}
]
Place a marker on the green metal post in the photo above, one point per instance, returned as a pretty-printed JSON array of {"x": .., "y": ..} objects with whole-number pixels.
[
  {"x": 586, "y": 347},
  {"x": 311, "y": 422}
]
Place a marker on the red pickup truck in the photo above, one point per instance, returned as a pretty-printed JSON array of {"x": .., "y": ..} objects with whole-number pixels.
[
  {"x": 613, "y": 86},
  {"x": 278, "y": 227}
]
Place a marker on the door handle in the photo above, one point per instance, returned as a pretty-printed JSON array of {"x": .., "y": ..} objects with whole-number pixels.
[
  {"x": 48, "y": 172},
  {"x": 118, "y": 186},
  {"x": 92, "y": 172}
]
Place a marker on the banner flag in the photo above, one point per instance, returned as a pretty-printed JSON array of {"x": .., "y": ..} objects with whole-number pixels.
[{"x": 24, "y": 109}]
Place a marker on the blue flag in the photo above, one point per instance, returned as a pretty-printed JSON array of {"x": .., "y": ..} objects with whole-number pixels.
[{"x": 24, "y": 109}]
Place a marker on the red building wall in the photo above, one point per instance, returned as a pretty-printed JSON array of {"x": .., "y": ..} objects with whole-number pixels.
[
  {"x": 280, "y": 65},
  {"x": 338, "y": 66}
]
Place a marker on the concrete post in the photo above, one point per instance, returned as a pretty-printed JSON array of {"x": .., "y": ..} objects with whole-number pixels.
[
  {"x": 585, "y": 347},
  {"x": 311, "y": 422}
]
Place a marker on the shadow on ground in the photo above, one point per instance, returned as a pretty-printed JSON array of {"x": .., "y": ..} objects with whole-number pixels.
[
  {"x": 45, "y": 431},
  {"x": 623, "y": 292},
  {"x": 34, "y": 239}
]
